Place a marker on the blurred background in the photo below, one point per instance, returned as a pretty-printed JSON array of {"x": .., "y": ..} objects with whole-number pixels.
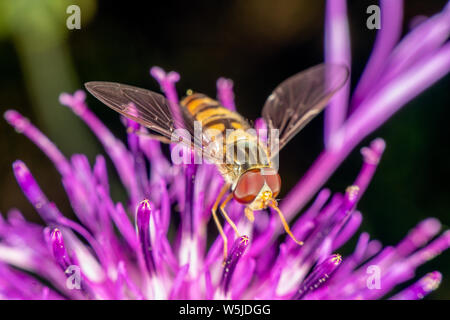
[{"x": 257, "y": 43}]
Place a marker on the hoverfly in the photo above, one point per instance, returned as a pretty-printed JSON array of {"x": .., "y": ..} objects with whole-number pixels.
[{"x": 294, "y": 103}]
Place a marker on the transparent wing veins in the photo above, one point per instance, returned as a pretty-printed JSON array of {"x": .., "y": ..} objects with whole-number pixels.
[
  {"x": 297, "y": 100},
  {"x": 148, "y": 108}
]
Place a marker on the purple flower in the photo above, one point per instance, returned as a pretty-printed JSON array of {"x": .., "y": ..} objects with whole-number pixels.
[{"x": 125, "y": 251}]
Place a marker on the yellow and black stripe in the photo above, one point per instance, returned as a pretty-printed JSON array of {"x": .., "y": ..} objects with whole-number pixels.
[{"x": 211, "y": 114}]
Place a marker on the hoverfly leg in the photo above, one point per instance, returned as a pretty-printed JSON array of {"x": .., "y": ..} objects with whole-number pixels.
[
  {"x": 225, "y": 215},
  {"x": 149, "y": 135},
  {"x": 249, "y": 214},
  {"x": 285, "y": 224},
  {"x": 216, "y": 220}
]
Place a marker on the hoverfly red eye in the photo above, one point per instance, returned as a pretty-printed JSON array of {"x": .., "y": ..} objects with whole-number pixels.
[
  {"x": 248, "y": 186},
  {"x": 273, "y": 180}
]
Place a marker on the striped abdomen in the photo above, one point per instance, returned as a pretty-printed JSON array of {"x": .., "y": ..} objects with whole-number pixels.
[{"x": 212, "y": 115}]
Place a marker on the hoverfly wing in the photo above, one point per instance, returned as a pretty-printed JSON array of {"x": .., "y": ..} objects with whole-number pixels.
[
  {"x": 148, "y": 108},
  {"x": 297, "y": 100}
]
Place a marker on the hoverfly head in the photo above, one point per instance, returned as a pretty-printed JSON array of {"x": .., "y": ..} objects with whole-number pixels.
[{"x": 257, "y": 187}]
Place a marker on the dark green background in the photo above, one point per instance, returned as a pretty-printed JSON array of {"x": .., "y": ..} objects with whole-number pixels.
[{"x": 256, "y": 43}]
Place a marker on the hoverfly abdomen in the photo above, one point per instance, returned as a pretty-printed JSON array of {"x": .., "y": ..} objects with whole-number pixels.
[{"x": 212, "y": 116}]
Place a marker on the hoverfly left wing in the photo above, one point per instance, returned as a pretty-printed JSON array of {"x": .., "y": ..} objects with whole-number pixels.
[
  {"x": 297, "y": 100},
  {"x": 147, "y": 108}
]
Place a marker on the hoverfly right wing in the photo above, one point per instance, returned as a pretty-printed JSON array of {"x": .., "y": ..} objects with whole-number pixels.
[
  {"x": 148, "y": 108},
  {"x": 297, "y": 100}
]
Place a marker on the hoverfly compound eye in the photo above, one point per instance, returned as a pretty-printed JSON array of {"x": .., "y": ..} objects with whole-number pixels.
[
  {"x": 248, "y": 186},
  {"x": 273, "y": 180}
]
